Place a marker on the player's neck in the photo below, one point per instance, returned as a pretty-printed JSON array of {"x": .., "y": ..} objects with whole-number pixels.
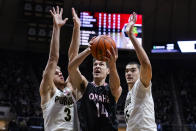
[
  {"x": 130, "y": 86},
  {"x": 99, "y": 82},
  {"x": 60, "y": 87}
]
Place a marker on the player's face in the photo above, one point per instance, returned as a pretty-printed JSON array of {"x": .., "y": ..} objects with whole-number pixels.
[
  {"x": 100, "y": 69},
  {"x": 132, "y": 73},
  {"x": 58, "y": 77}
]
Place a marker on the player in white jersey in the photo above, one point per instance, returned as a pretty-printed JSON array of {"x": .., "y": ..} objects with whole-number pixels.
[
  {"x": 139, "y": 105},
  {"x": 58, "y": 111},
  {"x": 57, "y": 101}
]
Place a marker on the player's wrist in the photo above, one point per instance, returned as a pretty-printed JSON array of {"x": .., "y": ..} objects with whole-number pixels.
[
  {"x": 112, "y": 66},
  {"x": 131, "y": 35},
  {"x": 88, "y": 50},
  {"x": 77, "y": 26},
  {"x": 57, "y": 26}
]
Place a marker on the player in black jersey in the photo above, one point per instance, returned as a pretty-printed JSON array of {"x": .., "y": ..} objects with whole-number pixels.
[{"x": 97, "y": 103}]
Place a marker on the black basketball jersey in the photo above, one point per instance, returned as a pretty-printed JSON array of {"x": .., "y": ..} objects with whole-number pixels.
[{"x": 97, "y": 109}]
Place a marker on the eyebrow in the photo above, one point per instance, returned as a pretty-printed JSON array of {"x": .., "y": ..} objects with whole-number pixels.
[{"x": 131, "y": 68}]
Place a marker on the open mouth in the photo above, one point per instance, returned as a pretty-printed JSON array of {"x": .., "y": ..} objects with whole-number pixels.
[
  {"x": 129, "y": 78},
  {"x": 97, "y": 71},
  {"x": 62, "y": 78}
]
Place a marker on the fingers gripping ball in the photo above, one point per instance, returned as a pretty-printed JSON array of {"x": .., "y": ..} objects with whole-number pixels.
[{"x": 100, "y": 45}]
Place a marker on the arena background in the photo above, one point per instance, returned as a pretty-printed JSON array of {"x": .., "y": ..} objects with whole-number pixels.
[{"x": 24, "y": 53}]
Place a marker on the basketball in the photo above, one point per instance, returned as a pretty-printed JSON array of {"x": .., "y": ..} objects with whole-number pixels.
[{"x": 100, "y": 45}]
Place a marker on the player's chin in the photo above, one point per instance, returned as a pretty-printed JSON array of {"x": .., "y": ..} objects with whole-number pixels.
[
  {"x": 98, "y": 76},
  {"x": 130, "y": 82},
  {"x": 62, "y": 82}
]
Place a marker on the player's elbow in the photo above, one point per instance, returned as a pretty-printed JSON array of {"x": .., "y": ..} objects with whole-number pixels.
[
  {"x": 71, "y": 67},
  {"x": 148, "y": 67},
  {"x": 44, "y": 89}
]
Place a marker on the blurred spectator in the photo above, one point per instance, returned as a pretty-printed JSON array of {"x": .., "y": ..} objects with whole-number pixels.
[
  {"x": 18, "y": 91},
  {"x": 185, "y": 81}
]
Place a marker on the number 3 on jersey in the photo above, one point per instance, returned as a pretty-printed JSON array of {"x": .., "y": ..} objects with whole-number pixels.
[
  {"x": 68, "y": 114},
  {"x": 101, "y": 110}
]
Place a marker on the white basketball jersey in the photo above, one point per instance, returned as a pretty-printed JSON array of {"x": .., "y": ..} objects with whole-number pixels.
[
  {"x": 58, "y": 112},
  {"x": 139, "y": 109}
]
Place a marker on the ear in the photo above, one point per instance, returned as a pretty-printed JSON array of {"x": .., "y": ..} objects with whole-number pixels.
[{"x": 108, "y": 71}]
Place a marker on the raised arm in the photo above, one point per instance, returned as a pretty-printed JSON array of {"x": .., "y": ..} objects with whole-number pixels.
[
  {"x": 74, "y": 46},
  {"x": 73, "y": 52},
  {"x": 113, "y": 76},
  {"x": 78, "y": 80},
  {"x": 47, "y": 86},
  {"x": 145, "y": 70}
]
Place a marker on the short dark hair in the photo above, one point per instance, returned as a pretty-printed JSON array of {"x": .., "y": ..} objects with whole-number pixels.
[
  {"x": 134, "y": 63},
  {"x": 103, "y": 61}
]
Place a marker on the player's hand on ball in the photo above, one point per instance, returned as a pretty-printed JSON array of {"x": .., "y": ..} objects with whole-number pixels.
[
  {"x": 112, "y": 56},
  {"x": 100, "y": 45},
  {"x": 91, "y": 41}
]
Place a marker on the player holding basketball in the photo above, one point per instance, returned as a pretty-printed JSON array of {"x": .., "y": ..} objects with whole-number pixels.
[
  {"x": 139, "y": 105},
  {"x": 56, "y": 94},
  {"x": 97, "y": 104}
]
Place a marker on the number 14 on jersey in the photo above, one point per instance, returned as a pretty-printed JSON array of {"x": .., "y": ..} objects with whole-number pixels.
[{"x": 101, "y": 111}]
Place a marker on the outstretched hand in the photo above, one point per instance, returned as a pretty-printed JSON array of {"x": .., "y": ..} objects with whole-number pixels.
[
  {"x": 76, "y": 19},
  {"x": 57, "y": 17},
  {"x": 130, "y": 25}
]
